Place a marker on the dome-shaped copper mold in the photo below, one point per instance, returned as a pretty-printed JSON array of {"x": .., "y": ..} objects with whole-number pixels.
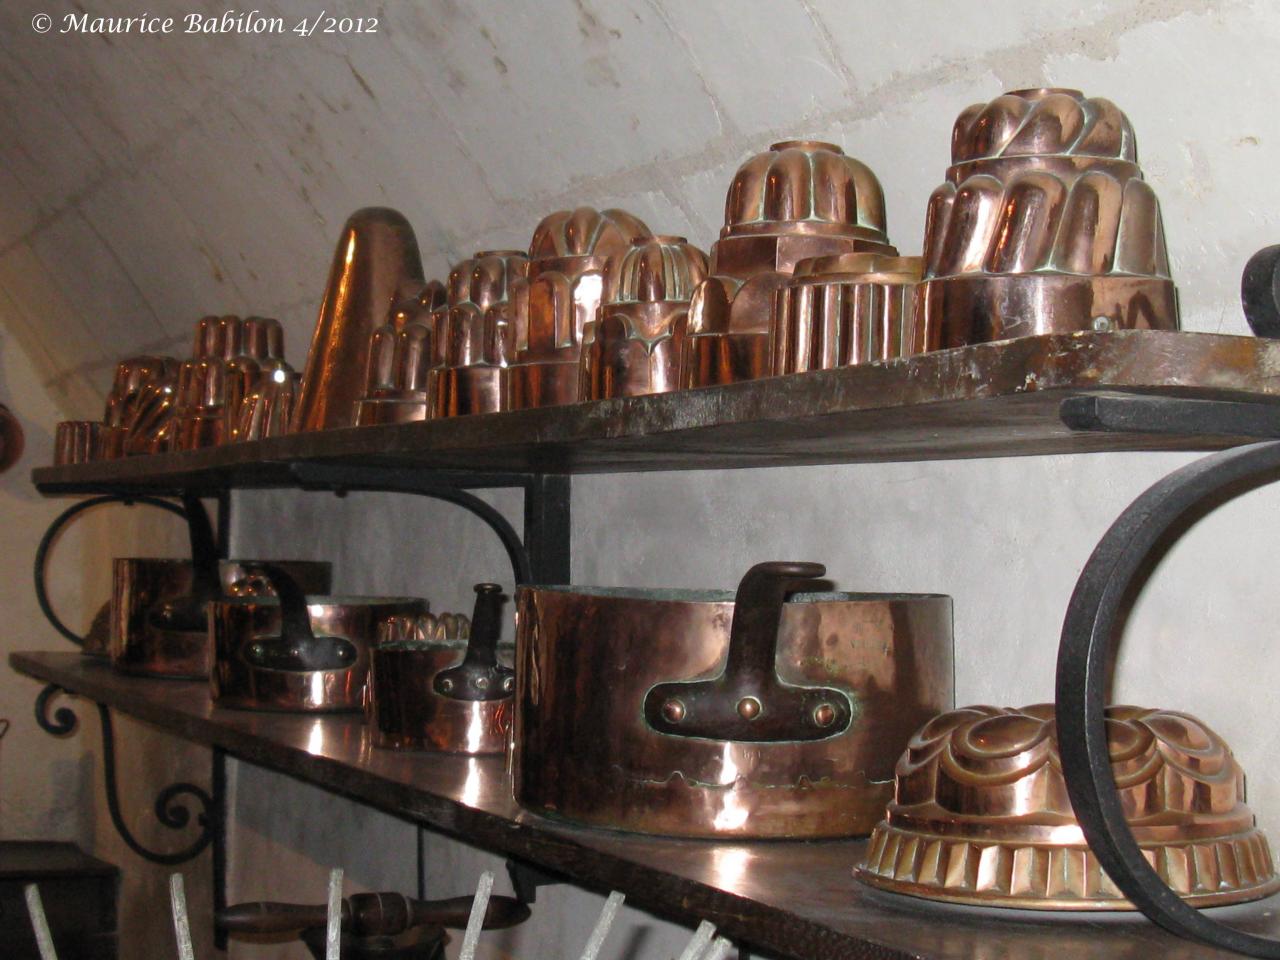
[
  {"x": 981, "y": 814},
  {"x": 1043, "y": 225},
  {"x": 400, "y": 381}
]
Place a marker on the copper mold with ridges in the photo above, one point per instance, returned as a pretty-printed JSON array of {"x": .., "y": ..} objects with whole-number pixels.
[
  {"x": 981, "y": 815},
  {"x": 640, "y": 339},
  {"x": 400, "y": 383},
  {"x": 138, "y": 406},
  {"x": 799, "y": 200},
  {"x": 570, "y": 255},
  {"x": 1044, "y": 225}
]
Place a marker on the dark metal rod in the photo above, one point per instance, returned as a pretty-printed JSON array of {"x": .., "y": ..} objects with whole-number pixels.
[
  {"x": 1172, "y": 416},
  {"x": 218, "y": 785},
  {"x": 1119, "y": 563},
  {"x": 547, "y": 526}
]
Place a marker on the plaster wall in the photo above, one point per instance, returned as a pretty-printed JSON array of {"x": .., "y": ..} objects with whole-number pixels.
[{"x": 146, "y": 181}]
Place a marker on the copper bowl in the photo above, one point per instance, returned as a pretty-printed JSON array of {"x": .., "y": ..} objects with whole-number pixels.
[
  {"x": 443, "y": 683},
  {"x": 252, "y": 668},
  {"x": 636, "y": 710},
  {"x": 142, "y": 587},
  {"x": 981, "y": 815}
]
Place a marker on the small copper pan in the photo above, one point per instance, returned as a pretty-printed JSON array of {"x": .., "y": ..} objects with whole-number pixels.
[
  {"x": 702, "y": 714},
  {"x": 434, "y": 688}
]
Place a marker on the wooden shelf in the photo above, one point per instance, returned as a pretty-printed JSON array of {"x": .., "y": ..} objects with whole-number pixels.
[
  {"x": 988, "y": 400},
  {"x": 789, "y": 898}
]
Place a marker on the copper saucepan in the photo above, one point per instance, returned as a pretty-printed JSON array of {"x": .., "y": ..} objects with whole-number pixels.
[
  {"x": 297, "y": 653},
  {"x": 702, "y": 714},
  {"x": 437, "y": 683}
]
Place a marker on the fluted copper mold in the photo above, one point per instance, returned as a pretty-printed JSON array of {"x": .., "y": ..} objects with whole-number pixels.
[
  {"x": 137, "y": 411},
  {"x": 400, "y": 382},
  {"x": 478, "y": 332},
  {"x": 981, "y": 815},
  {"x": 799, "y": 200},
  {"x": 406, "y": 712},
  {"x": 376, "y": 258},
  {"x": 558, "y": 307},
  {"x": 588, "y": 657},
  {"x": 267, "y": 410},
  {"x": 238, "y": 624},
  {"x": 77, "y": 441},
  {"x": 838, "y": 311},
  {"x": 641, "y": 336},
  {"x": 1044, "y": 225},
  {"x": 141, "y": 585}
]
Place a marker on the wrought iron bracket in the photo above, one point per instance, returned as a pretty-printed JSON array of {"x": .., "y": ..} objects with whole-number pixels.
[
  {"x": 526, "y": 879},
  {"x": 1119, "y": 565},
  {"x": 169, "y": 810}
]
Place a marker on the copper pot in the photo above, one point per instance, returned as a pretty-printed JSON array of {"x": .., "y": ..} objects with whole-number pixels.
[
  {"x": 701, "y": 714},
  {"x": 159, "y": 618},
  {"x": 297, "y": 653},
  {"x": 443, "y": 683}
]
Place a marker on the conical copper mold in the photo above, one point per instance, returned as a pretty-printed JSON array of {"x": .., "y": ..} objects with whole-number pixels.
[
  {"x": 377, "y": 255},
  {"x": 641, "y": 337},
  {"x": 981, "y": 815},
  {"x": 1044, "y": 225},
  {"x": 799, "y": 200}
]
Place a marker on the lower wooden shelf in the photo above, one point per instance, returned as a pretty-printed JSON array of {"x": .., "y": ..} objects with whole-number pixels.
[{"x": 793, "y": 899}]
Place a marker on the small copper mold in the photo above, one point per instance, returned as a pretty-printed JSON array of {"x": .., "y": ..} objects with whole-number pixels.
[
  {"x": 77, "y": 441},
  {"x": 981, "y": 816},
  {"x": 139, "y": 406},
  {"x": 375, "y": 261},
  {"x": 640, "y": 339},
  {"x": 838, "y": 311},
  {"x": 799, "y": 200},
  {"x": 1044, "y": 225},
  {"x": 443, "y": 683},
  {"x": 478, "y": 332},
  {"x": 557, "y": 308}
]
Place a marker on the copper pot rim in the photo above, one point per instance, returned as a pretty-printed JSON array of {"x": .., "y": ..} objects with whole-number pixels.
[
  {"x": 325, "y": 600},
  {"x": 711, "y": 596}
]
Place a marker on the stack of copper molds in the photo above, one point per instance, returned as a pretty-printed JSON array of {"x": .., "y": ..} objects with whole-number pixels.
[
  {"x": 1044, "y": 225},
  {"x": 641, "y": 336},
  {"x": 476, "y": 333},
  {"x": 800, "y": 200},
  {"x": 569, "y": 257},
  {"x": 400, "y": 384}
]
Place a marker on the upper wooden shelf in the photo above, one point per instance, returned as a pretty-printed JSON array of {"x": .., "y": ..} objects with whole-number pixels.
[
  {"x": 988, "y": 400},
  {"x": 788, "y": 898}
]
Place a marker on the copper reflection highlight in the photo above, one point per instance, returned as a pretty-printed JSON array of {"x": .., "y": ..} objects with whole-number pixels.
[{"x": 981, "y": 814}]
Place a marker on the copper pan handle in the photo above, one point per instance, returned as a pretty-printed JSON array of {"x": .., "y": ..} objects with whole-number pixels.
[
  {"x": 297, "y": 647},
  {"x": 480, "y": 676},
  {"x": 748, "y": 701}
]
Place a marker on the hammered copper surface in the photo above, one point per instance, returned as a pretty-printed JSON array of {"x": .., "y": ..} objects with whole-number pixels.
[
  {"x": 798, "y": 200},
  {"x": 1043, "y": 225},
  {"x": 981, "y": 814},
  {"x": 587, "y": 658},
  {"x": 238, "y": 624},
  {"x": 377, "y": 255},
  {"x": 139, "y": 586},
  {"x": 838, "y": 311},
  {"x": 640, "y": 338}
]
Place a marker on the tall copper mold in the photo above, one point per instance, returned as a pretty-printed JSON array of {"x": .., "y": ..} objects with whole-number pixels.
[
  {"x": 417, "y": 699},
  {"x": 478, "y": 333},
  {"x": 641, "y": 337},
  {"x": 587, "y": 740},
  {"x": 77, "y": 441},
  {"x": 570, "y": 256},
  {"x": 981, "y": 815},
  {"x": 137, "y": 407},
  {"x": 839, "y": 311},
  {"x": 400, "y": 382},
  {"x": 1044, "y": 225},
  {"x": 261, "y": 386},
  {"x": 142, "y": 587},
  {"x": 799, "y": 200},
  {"x": 247, "y": 632},
  {"x": 376, "y": 257}
]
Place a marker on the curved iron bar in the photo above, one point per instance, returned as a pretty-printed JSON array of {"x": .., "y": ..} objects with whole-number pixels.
[
  {"x": 55, "y": 528},
  {"x": 64, "y": 720},
  {"x": 1119, "y": 563},
  {"x": 342, "y": 478},
  {"x": 169, "y": 811}
]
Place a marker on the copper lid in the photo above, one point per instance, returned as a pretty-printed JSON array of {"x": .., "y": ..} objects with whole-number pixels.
[{"x": 980, "y": 814}]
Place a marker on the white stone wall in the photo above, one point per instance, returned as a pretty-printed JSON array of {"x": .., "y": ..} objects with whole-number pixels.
[{"x": 144, "y": 182}]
